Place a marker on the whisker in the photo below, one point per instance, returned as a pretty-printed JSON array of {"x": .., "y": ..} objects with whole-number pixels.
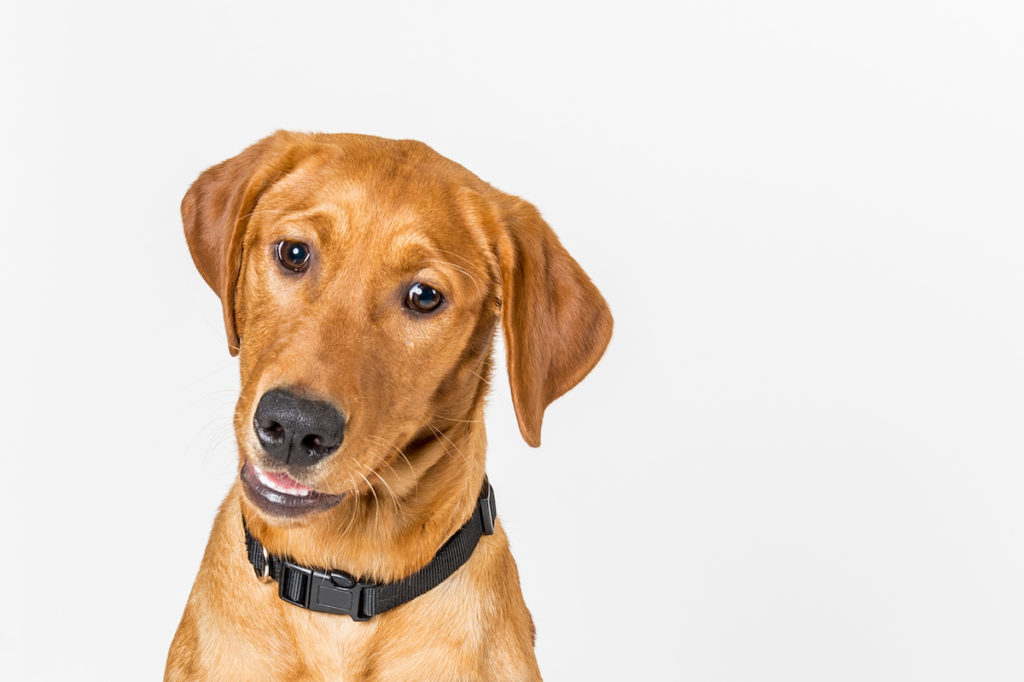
[
  {"x": 397, "y": 449},
  {"x": 355, "y": 508},
  {"x": 209, "y": 374},
  {"x": 264, "y": 210},
  {"x": 457, "y": 255},
  {"x": 439, "y": 434},
  {"x": 461, "y": 421},
  {"x": 394, "y": 497},
  {"x": 370, "y": 486},
  {"x": 457, "y": 268}
]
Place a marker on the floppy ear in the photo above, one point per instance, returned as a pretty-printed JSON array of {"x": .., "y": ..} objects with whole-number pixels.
[
  {"x": 216, "y": 210},
  {"x": 556, "y": 323}
]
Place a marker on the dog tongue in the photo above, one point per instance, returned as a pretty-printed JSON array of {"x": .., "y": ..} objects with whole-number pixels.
[{"x": 285, "y": 482}]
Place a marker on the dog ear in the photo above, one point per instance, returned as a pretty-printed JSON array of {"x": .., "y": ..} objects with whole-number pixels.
[
  {"x": 216, "y": 210},
  {"x": 556, "y": 323}
]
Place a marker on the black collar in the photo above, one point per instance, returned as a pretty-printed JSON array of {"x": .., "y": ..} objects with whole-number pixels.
[{"x": 332, "y": 591}]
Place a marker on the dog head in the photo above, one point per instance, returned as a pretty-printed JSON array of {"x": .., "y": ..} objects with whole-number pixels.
[{"x": 362, "y": 280}]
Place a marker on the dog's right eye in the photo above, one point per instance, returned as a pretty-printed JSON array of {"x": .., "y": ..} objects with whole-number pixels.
[{"x": 293, "y": 255}]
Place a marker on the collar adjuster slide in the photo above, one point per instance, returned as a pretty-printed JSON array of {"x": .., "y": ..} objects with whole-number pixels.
[{"x": 488, "y": 509}]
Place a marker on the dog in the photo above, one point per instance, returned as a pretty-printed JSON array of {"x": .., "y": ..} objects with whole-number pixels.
[{"x": 362, "y": 281}]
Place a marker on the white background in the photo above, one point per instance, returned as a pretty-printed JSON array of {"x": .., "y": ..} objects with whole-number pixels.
[{"x": 801, "y": 458}]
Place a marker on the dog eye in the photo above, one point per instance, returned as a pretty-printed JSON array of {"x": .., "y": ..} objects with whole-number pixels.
[
  {"x": 423, "y": 298},
  {"x": 293, "y": 255}
]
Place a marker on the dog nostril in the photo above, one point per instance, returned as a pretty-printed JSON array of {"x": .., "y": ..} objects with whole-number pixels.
[
  {"x": 312, "y": 442},
  {"x": 269, "y": 429}
]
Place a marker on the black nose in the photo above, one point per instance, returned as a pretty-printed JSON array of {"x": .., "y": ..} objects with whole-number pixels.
[{"x": 297, "y": 431}]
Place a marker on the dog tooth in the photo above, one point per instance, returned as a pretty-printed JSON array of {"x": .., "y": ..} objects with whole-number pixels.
[
  {"x": 280, "y": 487},
  {"x": 263, "y": 478}
]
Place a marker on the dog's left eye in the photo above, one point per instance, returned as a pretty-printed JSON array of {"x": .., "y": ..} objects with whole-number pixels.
[
  {"x": 293, "y": 255},
  {"x": 423, "y": 298}
]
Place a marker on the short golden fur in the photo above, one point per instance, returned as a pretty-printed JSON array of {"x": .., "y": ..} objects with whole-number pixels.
[{"x": 379, "y": 215}]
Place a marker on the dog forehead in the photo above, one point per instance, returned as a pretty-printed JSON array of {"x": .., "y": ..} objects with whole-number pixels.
[
  {"x": 390, "y": 169},
  {"x": 389, "y": 194}
]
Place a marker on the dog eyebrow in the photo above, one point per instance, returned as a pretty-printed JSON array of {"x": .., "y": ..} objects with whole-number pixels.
[
  {"x": 324, "y": 222},
  {"x": 414, "y": 251},
  {"x": 410, "y": 249}
]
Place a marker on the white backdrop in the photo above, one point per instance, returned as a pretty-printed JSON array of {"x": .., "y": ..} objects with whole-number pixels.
[{"x": 801, "y": 458}]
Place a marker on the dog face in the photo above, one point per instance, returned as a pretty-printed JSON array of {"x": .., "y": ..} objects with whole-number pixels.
[
  {"x": 383, "y": 308},
  {"x": 362, "y": 280}
]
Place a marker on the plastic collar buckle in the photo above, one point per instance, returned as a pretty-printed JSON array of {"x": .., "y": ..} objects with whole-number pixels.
[{"x": 334, "y": 592}]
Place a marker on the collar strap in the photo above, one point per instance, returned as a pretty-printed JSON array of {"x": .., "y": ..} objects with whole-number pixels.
[{"x": 332, "y": 591}]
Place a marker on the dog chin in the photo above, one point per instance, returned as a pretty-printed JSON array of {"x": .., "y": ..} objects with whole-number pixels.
[{"x": 278, "y": 495}]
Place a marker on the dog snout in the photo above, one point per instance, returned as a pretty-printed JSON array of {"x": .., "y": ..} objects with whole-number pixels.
[{"x": 296, "y": 431}]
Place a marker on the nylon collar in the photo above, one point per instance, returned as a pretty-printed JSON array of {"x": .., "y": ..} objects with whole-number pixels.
[{"x": 333, "y": 591}]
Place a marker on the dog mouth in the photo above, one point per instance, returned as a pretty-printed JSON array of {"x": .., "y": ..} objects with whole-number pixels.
[{"x": 278, "y": 494}]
